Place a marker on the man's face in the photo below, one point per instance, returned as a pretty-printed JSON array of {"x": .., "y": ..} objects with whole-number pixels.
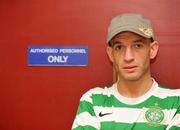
[{"x": 131, "y": 54}]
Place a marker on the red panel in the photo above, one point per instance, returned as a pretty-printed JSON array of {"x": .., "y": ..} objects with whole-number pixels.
[{"x": 47, "y": 97}]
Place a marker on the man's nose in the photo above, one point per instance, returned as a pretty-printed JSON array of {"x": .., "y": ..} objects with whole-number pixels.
[{"x": 128, "y": 55}]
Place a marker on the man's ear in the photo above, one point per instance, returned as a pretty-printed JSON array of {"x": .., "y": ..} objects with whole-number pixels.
[
  {"x": 154, "y": 49},
  {"x": 110, "y": 54}
]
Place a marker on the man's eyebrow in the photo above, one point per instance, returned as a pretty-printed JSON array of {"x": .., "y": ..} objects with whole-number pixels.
[
  {"x": 116, "y": 42},
  {"x": 138, "y": 40}
]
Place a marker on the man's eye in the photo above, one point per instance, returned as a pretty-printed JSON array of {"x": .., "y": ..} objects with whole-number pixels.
[
  {"x": 138, "y": 45},
  {"x": 117, "y": 47}
]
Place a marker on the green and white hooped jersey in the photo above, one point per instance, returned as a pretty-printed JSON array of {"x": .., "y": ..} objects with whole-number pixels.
[{"x": 106, "y": 109}]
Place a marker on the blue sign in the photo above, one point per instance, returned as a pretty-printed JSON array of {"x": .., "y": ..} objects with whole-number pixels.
[{"x": 57, "y": 55}]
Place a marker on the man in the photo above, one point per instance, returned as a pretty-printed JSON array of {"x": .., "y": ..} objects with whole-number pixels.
[{"x": 135, "y": 101}]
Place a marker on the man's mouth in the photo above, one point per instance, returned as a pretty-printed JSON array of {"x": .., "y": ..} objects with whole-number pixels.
[{"x": 130, "y": 69}]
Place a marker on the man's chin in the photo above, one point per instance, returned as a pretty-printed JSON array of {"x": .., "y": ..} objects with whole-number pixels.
[{"x": 131, "y": 77}]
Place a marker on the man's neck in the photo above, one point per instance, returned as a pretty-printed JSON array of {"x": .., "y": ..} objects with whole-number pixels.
[{"x": 134, "y": 89}]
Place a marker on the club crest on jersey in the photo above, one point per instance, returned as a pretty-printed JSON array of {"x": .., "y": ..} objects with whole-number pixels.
[{"x": 154, "y": 115}]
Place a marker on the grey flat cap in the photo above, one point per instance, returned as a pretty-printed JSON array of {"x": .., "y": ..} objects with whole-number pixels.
[{"x": 131, "y": 22}]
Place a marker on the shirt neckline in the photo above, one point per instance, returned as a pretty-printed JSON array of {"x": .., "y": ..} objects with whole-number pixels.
[{"x": 134, "y": 101}]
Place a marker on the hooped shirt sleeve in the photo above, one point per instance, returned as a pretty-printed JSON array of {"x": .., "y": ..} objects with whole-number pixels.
[
  {"x": 175, "y": 122},
  {"x": 85, "y": 117}
]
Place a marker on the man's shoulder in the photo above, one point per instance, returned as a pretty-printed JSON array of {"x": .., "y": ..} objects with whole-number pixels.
[
  {"x": 97, "y": 92},
  {"x": 168, "y": 91},
  {"x": 169, "y": 88}
]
